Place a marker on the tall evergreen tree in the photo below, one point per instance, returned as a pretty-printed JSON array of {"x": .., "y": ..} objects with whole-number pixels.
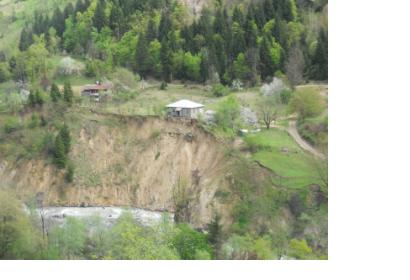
[
  {"x": 205, "y": 65},
  {"x": 151, "y": 33},
  {"x": 116, "y": 20},
  {"x": 26, "y": 39},
  {"x": 68, "y": 93},
  {"x": 79, "y": 7},
  {"x": 32, "y": 99},
  {"x": 58, "y": 22},
  {"x": 251, "y": 33},
  {"x": 142, "y": 57},
  {"x": 238, "y": 40},
  {"x": 68, "y": 10},
  {"x": 39, "y": 98},
  {"x": 165, "y": 25},
  {"x": 66, "y": 138},
  {"x": 166, "y": 61},
  {"x": 55, "y": 93},
  {"x": 60, "y": 155},
  {"x": 269, "y": 9},
  {"x": 99, "y": 18},
  {"x": 320, "y": 59},
  {"x": 266, "y": 66},
  {"x": 238, "y": 16}
]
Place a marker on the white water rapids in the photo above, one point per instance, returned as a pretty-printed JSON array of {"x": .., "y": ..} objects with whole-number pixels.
[{"x": 108, "y": 215}]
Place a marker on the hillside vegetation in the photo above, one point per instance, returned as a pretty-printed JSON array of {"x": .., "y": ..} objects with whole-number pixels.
[{"x": 238, "y": 184}]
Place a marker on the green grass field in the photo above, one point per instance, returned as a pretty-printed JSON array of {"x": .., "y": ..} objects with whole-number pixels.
[{"x": 294, "y": 168}]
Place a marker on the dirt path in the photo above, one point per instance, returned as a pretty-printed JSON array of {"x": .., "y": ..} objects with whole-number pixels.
[{"x": 293, "y": 131}]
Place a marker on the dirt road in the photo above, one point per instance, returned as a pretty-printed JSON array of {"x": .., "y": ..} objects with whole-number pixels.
[{"x": 293, "y": 131}]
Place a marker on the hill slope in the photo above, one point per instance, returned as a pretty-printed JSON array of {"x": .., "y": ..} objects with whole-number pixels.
[{"x": 143, "y": 162}]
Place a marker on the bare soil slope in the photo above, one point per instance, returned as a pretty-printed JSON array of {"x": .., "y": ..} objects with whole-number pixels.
[{"x": 142, "y": 162}]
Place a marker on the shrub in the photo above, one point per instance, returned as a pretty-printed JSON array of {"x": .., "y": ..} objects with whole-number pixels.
[
  {"x": 285, "y": 96},
  {"x": 68, "y": 93},
  {"x": 11, "y": 102},
  {"x": 4, "y": 73},
  {"x": 219, "y": 90},
  {"x": 11, "y": 124},
  {"x": 296, "y": 205},
  {"x": 55, "y": 93},
  {"x": 237, "y": 85},
  {"x": 190, "y": 243},
  {"x": 163, "y": 86},
  {"x": 34, "y": 121},
  {"x": 307, "y": 104},
  {"x": 90, "y": 69},
  {"x": 60, "y": 156},
  {"x": 227, "y": 114},
  {"x": 68, "y": 66},
  {"x": 300, "y": 250},
  {"x": 69, "y": 176}
]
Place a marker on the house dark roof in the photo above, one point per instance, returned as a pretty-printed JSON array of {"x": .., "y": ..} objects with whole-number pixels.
[{"x": 96, "y": 87}]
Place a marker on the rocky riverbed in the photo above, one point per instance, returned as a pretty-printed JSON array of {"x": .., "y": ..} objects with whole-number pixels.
[{"x": 108, "y": 215}]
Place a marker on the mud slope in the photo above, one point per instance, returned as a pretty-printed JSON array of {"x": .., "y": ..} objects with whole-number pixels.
[{"x": 141, "y": 162}]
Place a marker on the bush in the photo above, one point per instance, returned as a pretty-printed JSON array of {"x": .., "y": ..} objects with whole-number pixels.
[
  {"x": 219, "y": 90},
  {"x": 11, "y": 102},
  {"x": 190, "y": 243},
  {"x": 163, "y": 86},
  {"x": 237, "y": 85},
  {"x": 285, "y": 96},
  {"x": 227, "y": 114},
  {"x": 296, "y": 205},
  {"x": 69, "y": 176},
  {"x": 11, "y": 124},
  {"x": 4, "y": 73},
  {"x": 90, "y": 69},
  {"x": 34, "y": 121},
  {"x": 307, "y": 104},
  {"x": 68, "y": 66},
  {"x": 300, "y": 250}
]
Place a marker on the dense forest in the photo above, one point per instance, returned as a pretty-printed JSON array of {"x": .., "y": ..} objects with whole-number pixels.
[{"x": 250, "y": 42}]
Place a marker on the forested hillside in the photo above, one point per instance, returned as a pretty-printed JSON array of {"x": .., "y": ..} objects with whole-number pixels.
[
  {"x": 85, "y": 88},
  {"x": 249, "y": 42}
]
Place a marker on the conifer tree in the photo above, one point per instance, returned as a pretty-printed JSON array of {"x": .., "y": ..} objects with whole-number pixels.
[
  {"x": 117, "y": 20},
  {"x": 320, "y": 58},
  {"x": 151, "y": 33},
  {"x": 39, "y": 100},
  {"x": 269, "y": 9},
  {"x": 142, "y": 57},
  {"x": 58, "y": 22},
  {"x": 165, "y": 25},
  {"x": 66, "y": 138},
  {"x": 68, "y": 10},
  {"x": 60, "y": 155},
  {"x": 26, "y": 39},
  {"x": 238, "y": 16},
  {"x": 99, "y": 19},
  {"x": 32, "y": 99},
  {"x": 166, "y": 61},
  {"x": 68, "y": 93},
  {"x": 55, "y": 93},
  {"x": 266, "y": 66}
]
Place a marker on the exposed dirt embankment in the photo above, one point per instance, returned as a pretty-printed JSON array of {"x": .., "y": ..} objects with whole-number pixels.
[{"x": 141, "y": 162}]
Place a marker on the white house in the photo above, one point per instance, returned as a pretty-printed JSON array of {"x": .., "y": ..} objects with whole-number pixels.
[{"x": 185, "y": 108}]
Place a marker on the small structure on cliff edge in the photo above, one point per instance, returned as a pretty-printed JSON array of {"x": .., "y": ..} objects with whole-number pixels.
[
  {"x": 185, "y": 109},
  {"x": 96, "y": 91}
]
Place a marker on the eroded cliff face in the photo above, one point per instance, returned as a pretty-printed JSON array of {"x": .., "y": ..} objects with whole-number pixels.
[{"x": 147, "y": 163}]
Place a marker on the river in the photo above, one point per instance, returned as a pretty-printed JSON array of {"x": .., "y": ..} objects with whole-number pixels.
[{"x": 108, "y": 215}]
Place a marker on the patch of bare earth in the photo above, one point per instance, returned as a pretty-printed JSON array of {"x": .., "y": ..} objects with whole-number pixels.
[{"x": 147, "y": 163}]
